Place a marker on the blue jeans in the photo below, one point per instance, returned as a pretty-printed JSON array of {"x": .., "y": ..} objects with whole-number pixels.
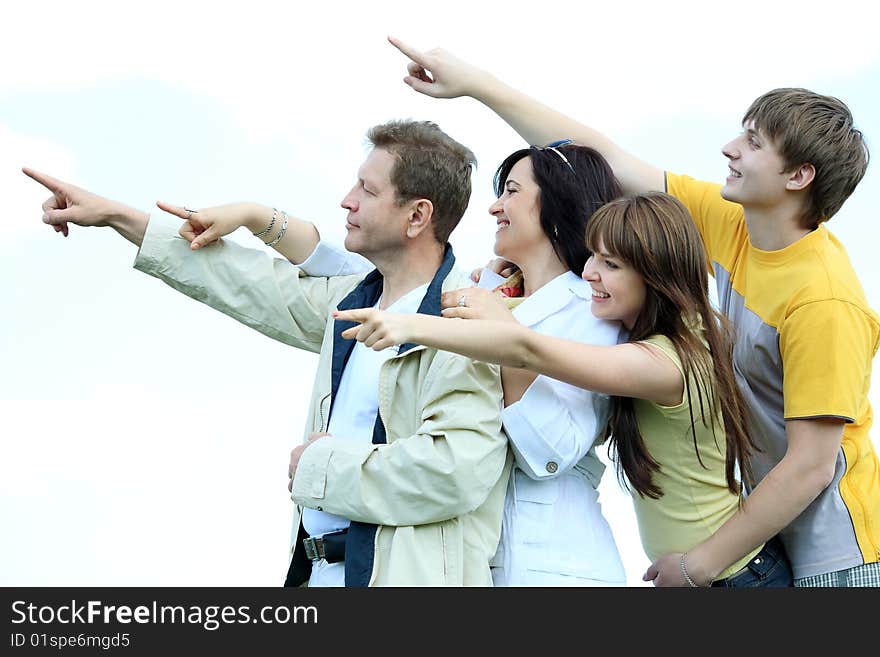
[{"x": 768, "y": 568}]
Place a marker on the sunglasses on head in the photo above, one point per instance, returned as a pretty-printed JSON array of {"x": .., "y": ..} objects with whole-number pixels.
[{"x": 555, "y": 146}]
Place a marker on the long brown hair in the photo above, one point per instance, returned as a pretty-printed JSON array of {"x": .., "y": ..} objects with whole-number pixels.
[{"x": 655, "y": 235}]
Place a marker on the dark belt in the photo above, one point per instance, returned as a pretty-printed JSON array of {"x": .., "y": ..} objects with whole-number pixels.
[{"x": 330, "y": 546}]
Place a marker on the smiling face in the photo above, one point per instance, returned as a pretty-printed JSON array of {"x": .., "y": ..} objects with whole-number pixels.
[
  {"x": 376, "y": 222},
  {"x": 618, "y": 290},
  {"x": 517, "y": 214},
  {"x": 756, "y": 178}
]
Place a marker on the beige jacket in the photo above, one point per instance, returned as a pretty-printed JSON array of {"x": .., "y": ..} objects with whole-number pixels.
[{"x": 436, "y": 488}]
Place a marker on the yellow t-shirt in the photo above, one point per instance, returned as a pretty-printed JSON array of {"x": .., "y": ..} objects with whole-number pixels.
[
  {"x": 696, "y": 500},
  {"x": 805, "y": 341}
]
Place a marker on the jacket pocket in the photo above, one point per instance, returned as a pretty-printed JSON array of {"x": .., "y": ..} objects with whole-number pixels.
[
  {"x": 534, "y": 510},
  {"x": 545, "y": 491}
]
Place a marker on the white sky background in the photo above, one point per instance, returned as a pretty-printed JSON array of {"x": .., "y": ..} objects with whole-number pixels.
[{"x": 144, "y": 438}]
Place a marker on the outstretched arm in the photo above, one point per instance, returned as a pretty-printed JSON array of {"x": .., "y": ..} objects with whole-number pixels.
[
  {"x": 628, "y": 370},
  {"x": 440, "y": 74},
  {"x": 296, "y": 239},
  {"x": 71, "y": 205}
]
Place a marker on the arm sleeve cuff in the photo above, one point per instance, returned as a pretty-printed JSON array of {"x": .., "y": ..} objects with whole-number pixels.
[
  {"x": 330, "y": 260},
  {"x": 551, "y": 427}
]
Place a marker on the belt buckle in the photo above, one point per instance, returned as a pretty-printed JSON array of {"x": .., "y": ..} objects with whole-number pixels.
[{"x": 314, "y": 548}]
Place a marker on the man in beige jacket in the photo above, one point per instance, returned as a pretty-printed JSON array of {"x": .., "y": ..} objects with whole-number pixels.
[{"x": 401, "y": 476}]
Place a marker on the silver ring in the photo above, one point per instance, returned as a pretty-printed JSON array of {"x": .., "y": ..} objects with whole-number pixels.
[
  {"x": 462, "y": 301},
  {"x": 190, "y": 211}
]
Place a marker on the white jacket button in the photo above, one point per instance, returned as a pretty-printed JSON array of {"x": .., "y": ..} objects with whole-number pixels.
[{"x": 552, "y": 467}]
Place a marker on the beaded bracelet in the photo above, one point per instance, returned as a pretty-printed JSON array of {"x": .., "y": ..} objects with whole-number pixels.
[
  {"x": 266, "y": 230},
  {"x": 685, "y": 572},
  {"x": 280, "y": 232}
]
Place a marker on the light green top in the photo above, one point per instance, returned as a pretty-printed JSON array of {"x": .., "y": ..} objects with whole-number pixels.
[{"x": 695, "y": 500}]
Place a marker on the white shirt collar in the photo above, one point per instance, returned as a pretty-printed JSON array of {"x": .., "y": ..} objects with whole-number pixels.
[{"x": 551, "y": 298}]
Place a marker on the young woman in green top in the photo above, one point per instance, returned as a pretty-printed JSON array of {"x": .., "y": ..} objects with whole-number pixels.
[{"x": 676, "y": 429}]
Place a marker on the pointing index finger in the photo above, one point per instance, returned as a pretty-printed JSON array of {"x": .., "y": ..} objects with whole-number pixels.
[
  {"x": 173, "y": 209},
  {"x": 415, "y": 55},
  {"x": 357, "y": 315},
  {"x": 50, "y": 183}
]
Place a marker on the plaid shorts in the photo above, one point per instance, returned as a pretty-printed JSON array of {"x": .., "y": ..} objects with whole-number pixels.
[{"x": 865, "y": 575}]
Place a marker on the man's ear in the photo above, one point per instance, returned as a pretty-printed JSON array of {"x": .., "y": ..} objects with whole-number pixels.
[
  {"x": 801, "y": 177},
  {"x": 420, "y": 216}
]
